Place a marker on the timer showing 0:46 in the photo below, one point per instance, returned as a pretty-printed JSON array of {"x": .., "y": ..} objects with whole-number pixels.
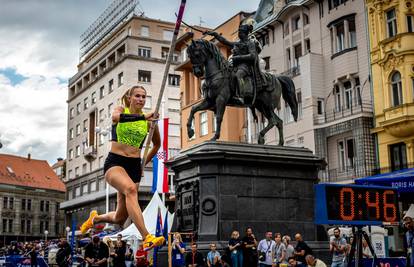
[{"x": 350, "y": 203}]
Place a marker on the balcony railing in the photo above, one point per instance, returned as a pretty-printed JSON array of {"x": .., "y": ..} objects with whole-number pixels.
[
  {"x": 343, "y": 112},
  {"x": 90, "y": 153},
  {"x": 292, "y": 72}
]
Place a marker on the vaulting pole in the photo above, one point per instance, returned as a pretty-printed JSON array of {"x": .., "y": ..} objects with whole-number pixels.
[{"x": 164, "y": 79}]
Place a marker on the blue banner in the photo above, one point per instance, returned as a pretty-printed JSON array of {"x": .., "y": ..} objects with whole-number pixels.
[
  {"x": 384, "y": 262},
  {"x": 20, "y": 261}
]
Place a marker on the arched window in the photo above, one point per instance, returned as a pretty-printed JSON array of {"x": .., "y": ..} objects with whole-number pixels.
[{"x": 396, "y": 89}]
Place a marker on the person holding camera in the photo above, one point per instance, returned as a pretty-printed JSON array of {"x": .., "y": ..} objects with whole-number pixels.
[
  {"x": 178, "y": 250},
  {"x": 235, "y": 247},
  {"x": 249, "y": 248},
  {"x": 266, "y": 250}
]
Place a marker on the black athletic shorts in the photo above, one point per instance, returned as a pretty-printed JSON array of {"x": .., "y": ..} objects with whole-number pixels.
[{"x": 131, "y": 165}]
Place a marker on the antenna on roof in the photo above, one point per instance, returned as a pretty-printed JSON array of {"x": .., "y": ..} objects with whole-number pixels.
[
  {"x": 201, "y": 21},
  {"x": 29, "y": 152}
]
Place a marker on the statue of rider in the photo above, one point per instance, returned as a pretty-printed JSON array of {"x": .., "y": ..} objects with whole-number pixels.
[{"x": 244, "y": 61}]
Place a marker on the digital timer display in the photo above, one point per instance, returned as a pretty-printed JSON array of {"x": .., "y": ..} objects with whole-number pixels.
[{"x": 356, "y": 205}]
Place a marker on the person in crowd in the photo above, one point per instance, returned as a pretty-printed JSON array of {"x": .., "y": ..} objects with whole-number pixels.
[
  {"x": 194, "y": 258},
  {"x": 235, "y": 247},
  {"x": 63, "y": 255},
  {"x": 141, "y": 257},
  {"x": 122, "y": 166},
  {"x": 33, "y": 252},
  {"x": 294, "y": 263},
  {"x": 338, "y": 247},
  {"x": 408, "y": 221},
  {"x": 111, "y": 250},
  {"x": 366, "y": 252},
  {"x": 213, "y": 256},
  {"x": 314, "y": 262},
  {"x": 280, "y": 250},
  {"x": 119, "y": 252},
  {"x": 178, "y": 250},
  {"x": 301, "y": 249},
  {"x": 129, "y": 255},
  {"x": 266, "y": 250},
  {"x": 249, "y": 248},
  {"x": 96, "y": 253},
  {"x": 290, "y": 250}
]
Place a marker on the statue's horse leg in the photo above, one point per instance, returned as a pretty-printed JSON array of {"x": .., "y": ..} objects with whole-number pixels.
[
  {"x": 220, "y": 108},
  {"x": 201, "y": 106}
]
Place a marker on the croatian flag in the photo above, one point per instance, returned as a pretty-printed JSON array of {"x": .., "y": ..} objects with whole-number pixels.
[{"x": 160, "y": 172}]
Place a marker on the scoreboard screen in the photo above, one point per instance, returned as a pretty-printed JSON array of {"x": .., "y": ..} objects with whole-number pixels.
[{"x": 355, "y": 204}]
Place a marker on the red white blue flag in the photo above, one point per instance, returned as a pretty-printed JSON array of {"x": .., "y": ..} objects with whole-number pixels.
[{"x": 160, "y": 171}]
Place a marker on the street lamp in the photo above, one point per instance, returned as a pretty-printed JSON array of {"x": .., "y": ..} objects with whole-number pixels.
[{"x": 46, "y": 232}]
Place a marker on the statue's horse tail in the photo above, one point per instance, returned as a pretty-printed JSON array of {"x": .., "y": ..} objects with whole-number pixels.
[{"x": 289, "y": 94}]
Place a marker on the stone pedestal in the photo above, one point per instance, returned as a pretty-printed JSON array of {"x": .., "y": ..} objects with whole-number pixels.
[{"x": 222, "y": 186}]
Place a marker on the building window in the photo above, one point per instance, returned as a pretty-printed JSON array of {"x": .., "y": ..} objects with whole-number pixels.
[
  {"x": 335, "y": 3},
  {"x": 341, "y": 155},
  {"x": 320, "y": 106},
  {"x": 120, "y": 79},
  {"x": 110, "y": 86},
  {"x": 286, "y": 28},
  {"x": 396, "y": 89},
  {"x": 23, "y": 204},
  {"x": 93, "y": 186},
  {"x": 85, "y": 125},
  {"x": 72, "y": 113},
  {"x": 299, "y": 98},
  {"x": 398, "y": 156},
  {"x": 307, "y": 46},
  {"x": 85, "y": 104},
  {"x": 28, "y": 226},
  {"x": 101, "y": 184},
  {"x": 77, "y": 154},
  {"x": 70, "y": 154},
  {"x": 340, "y": 40},
  {"x": 101, "y": 115},
  {"x": 296, "y": 23},
  {"x": 305, "y": 19},
  {"x": 77, "y": 191},
  {"x": 350, "y": 153},
  {"x": 70, "y": 194},
  {"x": 110, "y": 110},
  {"x": 348, "y": 94},
  {"x": 144, "y": 31},
  {"x": 57, "y": 205},
  {"x": 84, "y": 170},
  {"x": 101, "y": 92},
  {"x": 173, "y": 80},
  {"x": 84, "y": 189},
  {"x": 41, "y": 227},
  {"x": 391, "y": 23},
  {"x": 144, "y": 76},
  {"x": 11, "y": 226},
  {"x": 78, "y": 131},
  {"x": 57, "y": 228},
  {"x": 101, "y": 139},
  {"x": 164, "y": 52},
  {"x": 93, "y": 98},
  {"x": 167, "y": 35},
  {"x": 144, "y": 51},
  {"x": 203, "y": 124},
  {"x": 298, "y": 54},
  {"x": 42, "y": 204},
  {"x": 148, "y": 102},
  {"x": 5, "y": 202},
  {"x": 29, "y": 204},
  {"x": 47, "y": 206},
  {"x": 338, "y": 98},
  {"x": 409, "y": 23},
  {"x": 358, "y": 99},
  {"x": 78, "y": 108},
  {"x": 288, "y": 59},
  {"x": 352, "y": 33}
]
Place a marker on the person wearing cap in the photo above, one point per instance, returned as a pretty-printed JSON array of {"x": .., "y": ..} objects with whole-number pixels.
[
  {"x": 96, "y": 253},
  {"x": 129, "y": 255},
  {"x": 408, "y": 221}
]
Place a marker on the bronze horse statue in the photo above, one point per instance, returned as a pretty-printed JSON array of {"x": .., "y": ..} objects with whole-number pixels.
[{"x": 219, "y": 90}]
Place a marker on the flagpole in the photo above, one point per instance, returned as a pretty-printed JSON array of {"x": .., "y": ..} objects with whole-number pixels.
[{"x": 164, "y": 79}]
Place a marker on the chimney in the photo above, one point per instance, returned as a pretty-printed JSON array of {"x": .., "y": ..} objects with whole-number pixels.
[{"x": 29, "y": 156}]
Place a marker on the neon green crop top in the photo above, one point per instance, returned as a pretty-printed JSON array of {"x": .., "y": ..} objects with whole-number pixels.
[{"x": 130, "y": 133}]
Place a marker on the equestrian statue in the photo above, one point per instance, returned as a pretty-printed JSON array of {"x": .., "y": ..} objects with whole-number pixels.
[{"x": 239, "y": 81}]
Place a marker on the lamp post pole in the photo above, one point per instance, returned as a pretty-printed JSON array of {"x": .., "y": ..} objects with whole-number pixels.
[{"x": 46, "y": 232}]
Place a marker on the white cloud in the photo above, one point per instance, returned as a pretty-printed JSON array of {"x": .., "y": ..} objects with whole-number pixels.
[{"x": 33, "y": 114}]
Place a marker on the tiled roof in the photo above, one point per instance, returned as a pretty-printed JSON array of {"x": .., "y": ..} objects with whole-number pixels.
[{"x": 15, "y": 170}]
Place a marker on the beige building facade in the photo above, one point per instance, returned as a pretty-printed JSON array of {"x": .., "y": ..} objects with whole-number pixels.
[{"x": 323, "y": 47}]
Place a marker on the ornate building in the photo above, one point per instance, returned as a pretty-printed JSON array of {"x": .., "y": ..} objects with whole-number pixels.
[{"x": 391, "y": 35}]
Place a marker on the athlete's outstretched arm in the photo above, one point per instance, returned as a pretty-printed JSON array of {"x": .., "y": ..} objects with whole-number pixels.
[{"x": 156, "y": 144}]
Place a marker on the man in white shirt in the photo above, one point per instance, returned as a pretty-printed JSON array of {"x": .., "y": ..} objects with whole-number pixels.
[{"x": 266, "y": 249}]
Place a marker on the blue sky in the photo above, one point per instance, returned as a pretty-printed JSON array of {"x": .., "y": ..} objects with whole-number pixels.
[{"x": 39, "y": 49}]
